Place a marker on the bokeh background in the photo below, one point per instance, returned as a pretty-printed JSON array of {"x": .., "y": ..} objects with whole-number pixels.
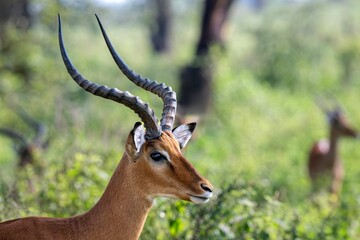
[{"x": 252, "y": 142}]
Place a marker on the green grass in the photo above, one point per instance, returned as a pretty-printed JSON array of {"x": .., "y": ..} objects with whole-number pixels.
[{"x": 252, "y": 145}]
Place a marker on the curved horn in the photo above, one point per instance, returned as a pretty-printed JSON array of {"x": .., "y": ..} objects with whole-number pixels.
[
  {"x": 135, "y": 103},
  {"x": 324, "y": 106},
  {"x": 13, "y": 135},
  {"x": 164, "y": 92},
  {"x": 39, "y": 128},
  {"x": 328, "y": 103}
]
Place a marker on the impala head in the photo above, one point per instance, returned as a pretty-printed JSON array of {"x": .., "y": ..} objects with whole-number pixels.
[
  {"x": 154, "y": 152},
  {"x": 339, "y": 124},
  {"x": 336, "y": 118},
  {"x": 163, "y": 169},
  {"x": 26, "y": 148}
]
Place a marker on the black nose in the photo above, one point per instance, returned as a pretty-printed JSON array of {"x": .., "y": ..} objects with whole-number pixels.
[{"x": 206, "y": 188}]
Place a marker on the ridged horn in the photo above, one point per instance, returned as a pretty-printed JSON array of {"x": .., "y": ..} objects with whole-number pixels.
[
  {"x": 13, "y": 135},
  {"x": 328, "y": 103},
  {"x": 39, "y": 128},
  {"x": 141, "y": 108},
  {"x": 160, "y": 89}
]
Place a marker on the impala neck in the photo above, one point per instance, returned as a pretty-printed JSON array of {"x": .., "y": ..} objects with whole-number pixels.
[
  {"x": 333, "y": 151},
  {"x": 121, "y": 211}
]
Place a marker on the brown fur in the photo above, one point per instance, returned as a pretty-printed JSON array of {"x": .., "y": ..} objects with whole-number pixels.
[
  {"x": 324, "y": 162},
  {"x": 122, "y": 210}
]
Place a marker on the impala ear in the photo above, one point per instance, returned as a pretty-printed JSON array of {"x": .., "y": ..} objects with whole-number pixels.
[
  {"x": 183, "y": 133},
  {"x": 136, "y": 139}
]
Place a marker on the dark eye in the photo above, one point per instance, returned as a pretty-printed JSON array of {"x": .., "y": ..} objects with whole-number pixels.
[{"x": 156, "y": 156}]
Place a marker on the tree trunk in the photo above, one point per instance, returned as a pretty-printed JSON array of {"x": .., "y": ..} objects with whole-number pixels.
[
  {"x": 16, "y": 11},
  {"x": 160, "y": 31},
  {"x": 196, "y": 78}
]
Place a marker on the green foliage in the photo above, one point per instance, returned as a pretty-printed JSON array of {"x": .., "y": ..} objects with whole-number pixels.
[
  {"x": 245, "y": 211},
  {"x": 74, "y": 184},
  {"x": 252, "y": 146},
  {"x": 310, "y": 46}
]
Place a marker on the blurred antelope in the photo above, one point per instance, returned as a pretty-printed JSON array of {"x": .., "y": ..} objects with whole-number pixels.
[
  {"x": 151, "y": 166},
  {"x": 26, "y": 148},
  {"x": 324, "y": 163}
]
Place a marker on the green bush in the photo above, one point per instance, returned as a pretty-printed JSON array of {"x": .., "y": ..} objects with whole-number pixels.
[{"x": 308, "y": 46}]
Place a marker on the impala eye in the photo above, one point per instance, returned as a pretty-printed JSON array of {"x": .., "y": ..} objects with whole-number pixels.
[{"x": 157, "y": 157}]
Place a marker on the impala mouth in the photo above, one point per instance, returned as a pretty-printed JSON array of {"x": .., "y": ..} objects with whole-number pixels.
[{"x": 198, "y": 199}]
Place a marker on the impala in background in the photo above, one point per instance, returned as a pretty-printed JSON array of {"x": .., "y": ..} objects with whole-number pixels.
[
  {"x": 324, "y": 164},
  {"x": 25, "y": 147},
  {"x": 151, "y": 166},
  {"x": 28, "y": 150}
]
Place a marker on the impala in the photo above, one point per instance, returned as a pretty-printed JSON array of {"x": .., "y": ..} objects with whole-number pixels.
[
  {"x": 27, "y": 150},
  {"x": 151, "y": 166},
  {"x": 24, "y": 147},
  {"x": 324, "y": 165}
]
